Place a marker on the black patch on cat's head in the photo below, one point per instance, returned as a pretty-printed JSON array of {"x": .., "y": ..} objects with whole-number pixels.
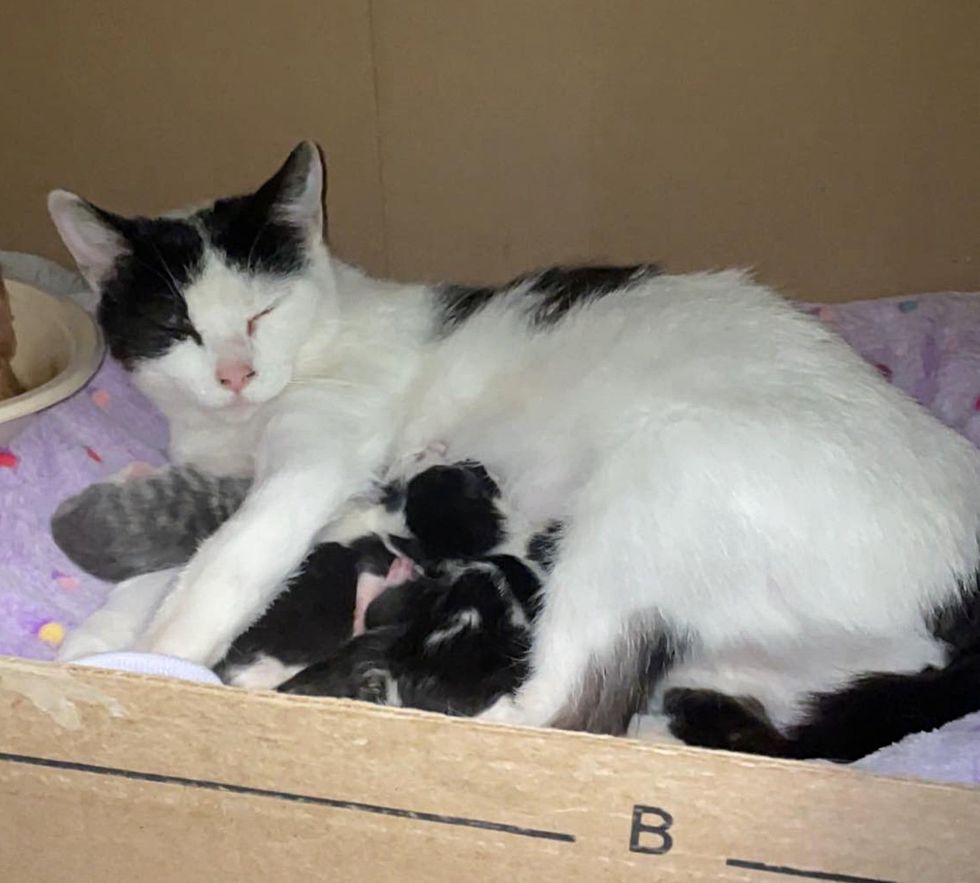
[
  {"x": 452, "y": 511},
  {"x": 268, "y": 231},
  {"x": 461, "y": 650},
  {"x": 142, "y": 309},
  {"x": 141, "y": 266},
  {"x": 450, "y": 643},
  {"x": 560, "y": 289}
]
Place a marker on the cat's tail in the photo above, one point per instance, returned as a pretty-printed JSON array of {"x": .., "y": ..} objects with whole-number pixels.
[
  {"x": 117, "y": 530},
  {"x": 872, "y": 712}
]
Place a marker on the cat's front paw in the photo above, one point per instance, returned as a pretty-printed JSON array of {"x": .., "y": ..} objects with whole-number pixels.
[
  {"x": 106, "y": 635},
  {"x": 181, "y": 630}
]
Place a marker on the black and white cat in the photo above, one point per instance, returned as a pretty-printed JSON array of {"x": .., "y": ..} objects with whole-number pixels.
[
  {"x": 457, "y": 638},
  {"x": 747, "y": 506}
]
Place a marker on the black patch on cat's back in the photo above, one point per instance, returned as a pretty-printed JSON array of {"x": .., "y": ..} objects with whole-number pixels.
[
  {"x": 142, "y": 310},
  {"x": 457, "y": 303},
  {"x": 552, "y": 293},
  {"x": 560, "y": 289},
  {"x": 246, "y": 232}
]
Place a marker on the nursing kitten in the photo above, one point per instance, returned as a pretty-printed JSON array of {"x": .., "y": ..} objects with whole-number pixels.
[
  {"x": 453, "y": 642},
  {"x": 115, "y": 530},
  {"x": 450, "y": 634},
  {"x": 748, "y": 507},
  {"x": 457, "y": 639}
]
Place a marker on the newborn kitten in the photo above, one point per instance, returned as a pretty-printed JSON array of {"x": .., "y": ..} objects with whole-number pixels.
[
  {"x": 454, "y": 642},
  {"x": 449, "y": 632},
  {"x": 445, "y": 629},
  {"x": 115, "y": 530}
]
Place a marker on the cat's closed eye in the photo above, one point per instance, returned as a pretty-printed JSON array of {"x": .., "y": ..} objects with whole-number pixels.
[
  {"x": 176, "y": 326},
  {"x": 255, "y": 319}
]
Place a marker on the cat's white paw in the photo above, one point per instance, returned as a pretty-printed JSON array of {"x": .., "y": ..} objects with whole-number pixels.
[
  {"x": 189, "y": 629},
  {"x": 104, "y": 635}
]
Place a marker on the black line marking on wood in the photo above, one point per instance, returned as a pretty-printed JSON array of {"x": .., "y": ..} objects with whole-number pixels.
[
  {"x": 799, "y": 872},
  {"x": 333, "y": 803}
]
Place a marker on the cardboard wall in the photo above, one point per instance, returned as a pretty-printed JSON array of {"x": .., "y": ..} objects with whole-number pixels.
[
  {"x": 835, "y": 146},
  {"x": 111, "y": 778}
]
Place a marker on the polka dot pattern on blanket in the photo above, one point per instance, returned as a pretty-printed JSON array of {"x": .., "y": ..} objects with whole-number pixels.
[{"x": 92, "y": 436}]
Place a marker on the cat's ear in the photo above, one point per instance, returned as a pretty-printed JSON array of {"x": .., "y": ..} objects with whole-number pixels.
[
  {"x": 296, "y": 192},
  {"x": 88, "y": 234}
]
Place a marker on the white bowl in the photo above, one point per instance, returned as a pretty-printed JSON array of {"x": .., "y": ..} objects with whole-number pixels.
[{"x": 59, "y": 348}]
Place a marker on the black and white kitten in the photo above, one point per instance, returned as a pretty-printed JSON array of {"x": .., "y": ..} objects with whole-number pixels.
[
  {"x": 448, "y": 633},
  {"x": 454, "y": 635}
]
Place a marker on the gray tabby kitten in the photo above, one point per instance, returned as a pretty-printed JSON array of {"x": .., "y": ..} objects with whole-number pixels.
[{"x": 117, "y": 530}]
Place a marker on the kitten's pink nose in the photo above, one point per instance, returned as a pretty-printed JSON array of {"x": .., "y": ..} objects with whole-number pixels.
[{"x": 234, "y": 375}]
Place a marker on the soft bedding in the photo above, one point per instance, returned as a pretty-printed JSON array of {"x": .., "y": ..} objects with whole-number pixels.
[{"x": 928, "y": 346}]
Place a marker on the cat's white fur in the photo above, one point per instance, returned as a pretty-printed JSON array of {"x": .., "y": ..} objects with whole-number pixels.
[{"x": 720, "y": 461}]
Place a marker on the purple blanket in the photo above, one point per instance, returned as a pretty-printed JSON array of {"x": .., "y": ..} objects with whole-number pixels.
[
  {"x": 929, "y": 346},
  {"x": 99, "y": 431}
]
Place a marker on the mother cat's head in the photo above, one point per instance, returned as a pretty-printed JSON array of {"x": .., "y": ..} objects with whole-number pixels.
[{"x": 210, "y": 305}]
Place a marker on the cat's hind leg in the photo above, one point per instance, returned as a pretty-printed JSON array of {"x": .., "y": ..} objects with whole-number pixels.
[
  {"x": 614, "y": 617},
  {"x": 593, "y": 677},
  {"x": 599, "y": 644},
  {"x": 874, "y": 710}
]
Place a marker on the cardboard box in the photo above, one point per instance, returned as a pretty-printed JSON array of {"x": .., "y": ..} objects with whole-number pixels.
[
  {"x": 106, "y": 777},
  {"x": 833, "y": 145}
]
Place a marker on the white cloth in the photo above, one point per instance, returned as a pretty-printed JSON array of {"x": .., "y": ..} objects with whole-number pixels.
[{"x": 151, "y": 664}]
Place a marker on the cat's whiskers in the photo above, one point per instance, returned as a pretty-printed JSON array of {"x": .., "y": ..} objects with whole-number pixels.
[{"x": 171, "y": 279}]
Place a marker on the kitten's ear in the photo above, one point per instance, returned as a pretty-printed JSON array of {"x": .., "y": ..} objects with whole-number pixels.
[
  {"x": 295, "y": 193},
  {"x": 88, "y": 234}
]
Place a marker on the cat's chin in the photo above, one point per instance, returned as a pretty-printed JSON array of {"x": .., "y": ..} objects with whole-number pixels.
[{"x": 238, "y": 411}]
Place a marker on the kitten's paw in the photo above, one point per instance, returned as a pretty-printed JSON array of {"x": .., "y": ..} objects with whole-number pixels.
[
  {"x": 410, "y": 465},
  {"x": 262, "y": 672},
  {"x": 377, "y": 686},
  {"x": 433, "y": 454}
]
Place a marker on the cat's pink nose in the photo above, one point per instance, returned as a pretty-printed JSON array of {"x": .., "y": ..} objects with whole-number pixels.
[{"x": 234, "y": 375}]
